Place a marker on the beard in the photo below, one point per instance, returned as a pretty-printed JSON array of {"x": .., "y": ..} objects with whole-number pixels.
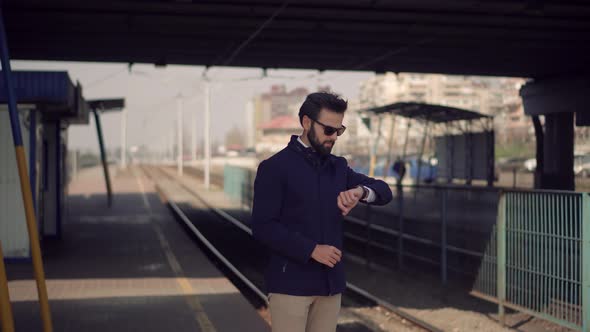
[{"x": 323, "y": 148}]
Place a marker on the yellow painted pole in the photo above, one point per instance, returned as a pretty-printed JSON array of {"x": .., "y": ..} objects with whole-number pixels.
[
  {"x": 25, "y": 184},
  {"x": 6, "y": 317},
  {"x": 33, "y": 238},
  {"x": 372, "y": 165}
]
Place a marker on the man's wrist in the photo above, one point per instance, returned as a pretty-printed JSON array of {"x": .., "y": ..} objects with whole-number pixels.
[
  {"x": 313, "y": 251},
  {"x": 365, "y": 192}
]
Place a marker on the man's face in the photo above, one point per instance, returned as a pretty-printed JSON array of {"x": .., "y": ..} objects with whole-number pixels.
[{"x": 322, "y": 143}]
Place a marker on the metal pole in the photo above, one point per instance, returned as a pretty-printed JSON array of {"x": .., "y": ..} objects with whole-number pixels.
[
  {"x": 419, "y": 160},
  {"x": 409, "y": 126},
  {"x": 514, "y": 177},
  {"x": 6, "y": 317},
  {"x": 194, "y": 138},
  {"x": 539, "y": 152},
  {"x": 75, "y": 166},
  {"x": 165, "y": 145},
  {"x": 171, "y": 146},
  {"x": 179, "y": 132},
  {"x": 165, "y": 148},
  {"x": 468, "y": 154},
  {"x": 400, "y": 237},
  {"x": 207, "y": 136},
  {"x": 501, "y": 243},
  {"x": 443, "y": 237},
  {"x": 400, "y": 195},
  {"x": 374, "y": 150},
  {"x": 59, "y": 171},
  {"x": 389, "y": 153},
  {"x": 25, "y": 184},
  {"x": 124, "y": 138},
  {"x": 449, "y": 146},
  {"x": 490, "y": 139},
  {"x": 585, "y": 263},
  {"x": 103, "y": 157},
  {"x": 451, "y": 158}
]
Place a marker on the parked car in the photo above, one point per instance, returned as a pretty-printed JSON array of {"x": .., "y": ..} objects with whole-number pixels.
[
  {"x": 428, "y": 168},
  {"x": 581, "y": 165},
  {"x": 511, "y": 164},
  {"x": 530, "y": 164}
]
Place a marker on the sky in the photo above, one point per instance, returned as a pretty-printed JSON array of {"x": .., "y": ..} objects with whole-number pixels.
[{"x": 151, "y": 95}]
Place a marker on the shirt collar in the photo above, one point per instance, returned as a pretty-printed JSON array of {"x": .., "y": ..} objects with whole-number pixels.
[{"x": 301, "y": 142}]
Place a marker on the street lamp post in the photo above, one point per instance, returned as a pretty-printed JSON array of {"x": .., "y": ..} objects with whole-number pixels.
[
  {"x": 179, "y": 118},
  {"x": 194, "y": 138},
  {"x": 207, "y": 135},
  {"x": 124, "y": 138}
]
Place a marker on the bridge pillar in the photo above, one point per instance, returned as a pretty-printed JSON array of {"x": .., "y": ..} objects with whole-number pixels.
[{"x": 560, "y": 101}]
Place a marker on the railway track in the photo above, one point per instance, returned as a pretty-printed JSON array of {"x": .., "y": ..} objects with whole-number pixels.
[
  {"x": 226, "y": 238},
  {"x": 378, "y": 244}
]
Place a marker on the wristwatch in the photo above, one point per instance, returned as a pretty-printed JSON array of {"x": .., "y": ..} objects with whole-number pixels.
[{"x": 365, "y": 193}]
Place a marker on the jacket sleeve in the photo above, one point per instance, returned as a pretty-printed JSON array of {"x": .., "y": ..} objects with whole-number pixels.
[
  {"x": 266, "y": 225},
  {"x": 380, "y": 188}
]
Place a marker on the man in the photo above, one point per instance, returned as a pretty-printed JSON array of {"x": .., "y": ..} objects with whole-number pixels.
[
  {"x": 301, "y": 195},
  {"x": 399, "y": 168}
]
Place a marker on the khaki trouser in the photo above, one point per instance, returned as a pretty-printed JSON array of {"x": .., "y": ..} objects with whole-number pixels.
[{"x": 304, "y": 313}]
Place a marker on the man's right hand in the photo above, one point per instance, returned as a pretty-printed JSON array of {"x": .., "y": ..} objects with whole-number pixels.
[{"x": 327, "y": 255}]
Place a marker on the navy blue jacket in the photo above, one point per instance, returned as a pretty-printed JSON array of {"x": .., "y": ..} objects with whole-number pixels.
[{"x": 295, "y": 208}]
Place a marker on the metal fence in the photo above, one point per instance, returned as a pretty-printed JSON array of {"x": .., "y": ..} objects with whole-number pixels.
[
  {"x": 536, "y": 241},
  {"x": 442, "y": 226},
  {"x": 537, "y": 257}
]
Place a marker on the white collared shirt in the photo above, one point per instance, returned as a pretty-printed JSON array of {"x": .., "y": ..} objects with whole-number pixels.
[{"x": 370, "y": 197}]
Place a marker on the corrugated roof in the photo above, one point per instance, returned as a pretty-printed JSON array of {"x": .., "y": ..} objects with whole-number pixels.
[
  {"x": 40, "y": 87},
  {"x": 52, "y": 91},
  {"x": 107, "y": 105},
  {"x": 502, "y": 38},
  {"x": 428, "y": 112}
]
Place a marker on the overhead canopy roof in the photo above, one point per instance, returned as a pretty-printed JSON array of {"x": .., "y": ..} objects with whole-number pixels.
[
  {"x": 52, "y": 92},
  {"x": 428, "y": 112},
  {"x": 107, "y": 105},
  {"x": 507, "y": 37}
]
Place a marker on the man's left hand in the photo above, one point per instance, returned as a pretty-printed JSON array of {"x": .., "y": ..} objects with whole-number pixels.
[{"x": 347, "y": 200}]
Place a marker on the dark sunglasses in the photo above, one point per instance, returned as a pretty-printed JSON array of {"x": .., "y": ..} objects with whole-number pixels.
[{"x": 329, "y": 131}]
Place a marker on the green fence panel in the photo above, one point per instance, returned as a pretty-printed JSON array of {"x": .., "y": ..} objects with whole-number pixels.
[{"x": 537, "y": 257}]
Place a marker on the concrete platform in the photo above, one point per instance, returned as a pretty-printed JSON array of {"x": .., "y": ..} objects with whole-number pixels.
[{"x": 131, "y": 267}]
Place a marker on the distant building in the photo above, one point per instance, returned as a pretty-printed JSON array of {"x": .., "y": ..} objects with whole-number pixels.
[
  {"x": 278, "y": 102},
  {"x": 498, "y": 97},
  {"x": 516, "y": 126},
  {"x": 275, "y": 134},
  {"x": 487, "y": 95}
]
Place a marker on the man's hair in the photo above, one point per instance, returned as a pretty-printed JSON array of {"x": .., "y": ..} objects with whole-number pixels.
[{"x": 314, "y": 102}]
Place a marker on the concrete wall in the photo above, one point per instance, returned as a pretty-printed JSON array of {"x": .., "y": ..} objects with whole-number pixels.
[{"x": 13, "y": 229}]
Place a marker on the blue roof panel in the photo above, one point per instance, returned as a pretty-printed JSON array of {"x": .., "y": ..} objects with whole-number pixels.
[{"x": 40, "y": 87}]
